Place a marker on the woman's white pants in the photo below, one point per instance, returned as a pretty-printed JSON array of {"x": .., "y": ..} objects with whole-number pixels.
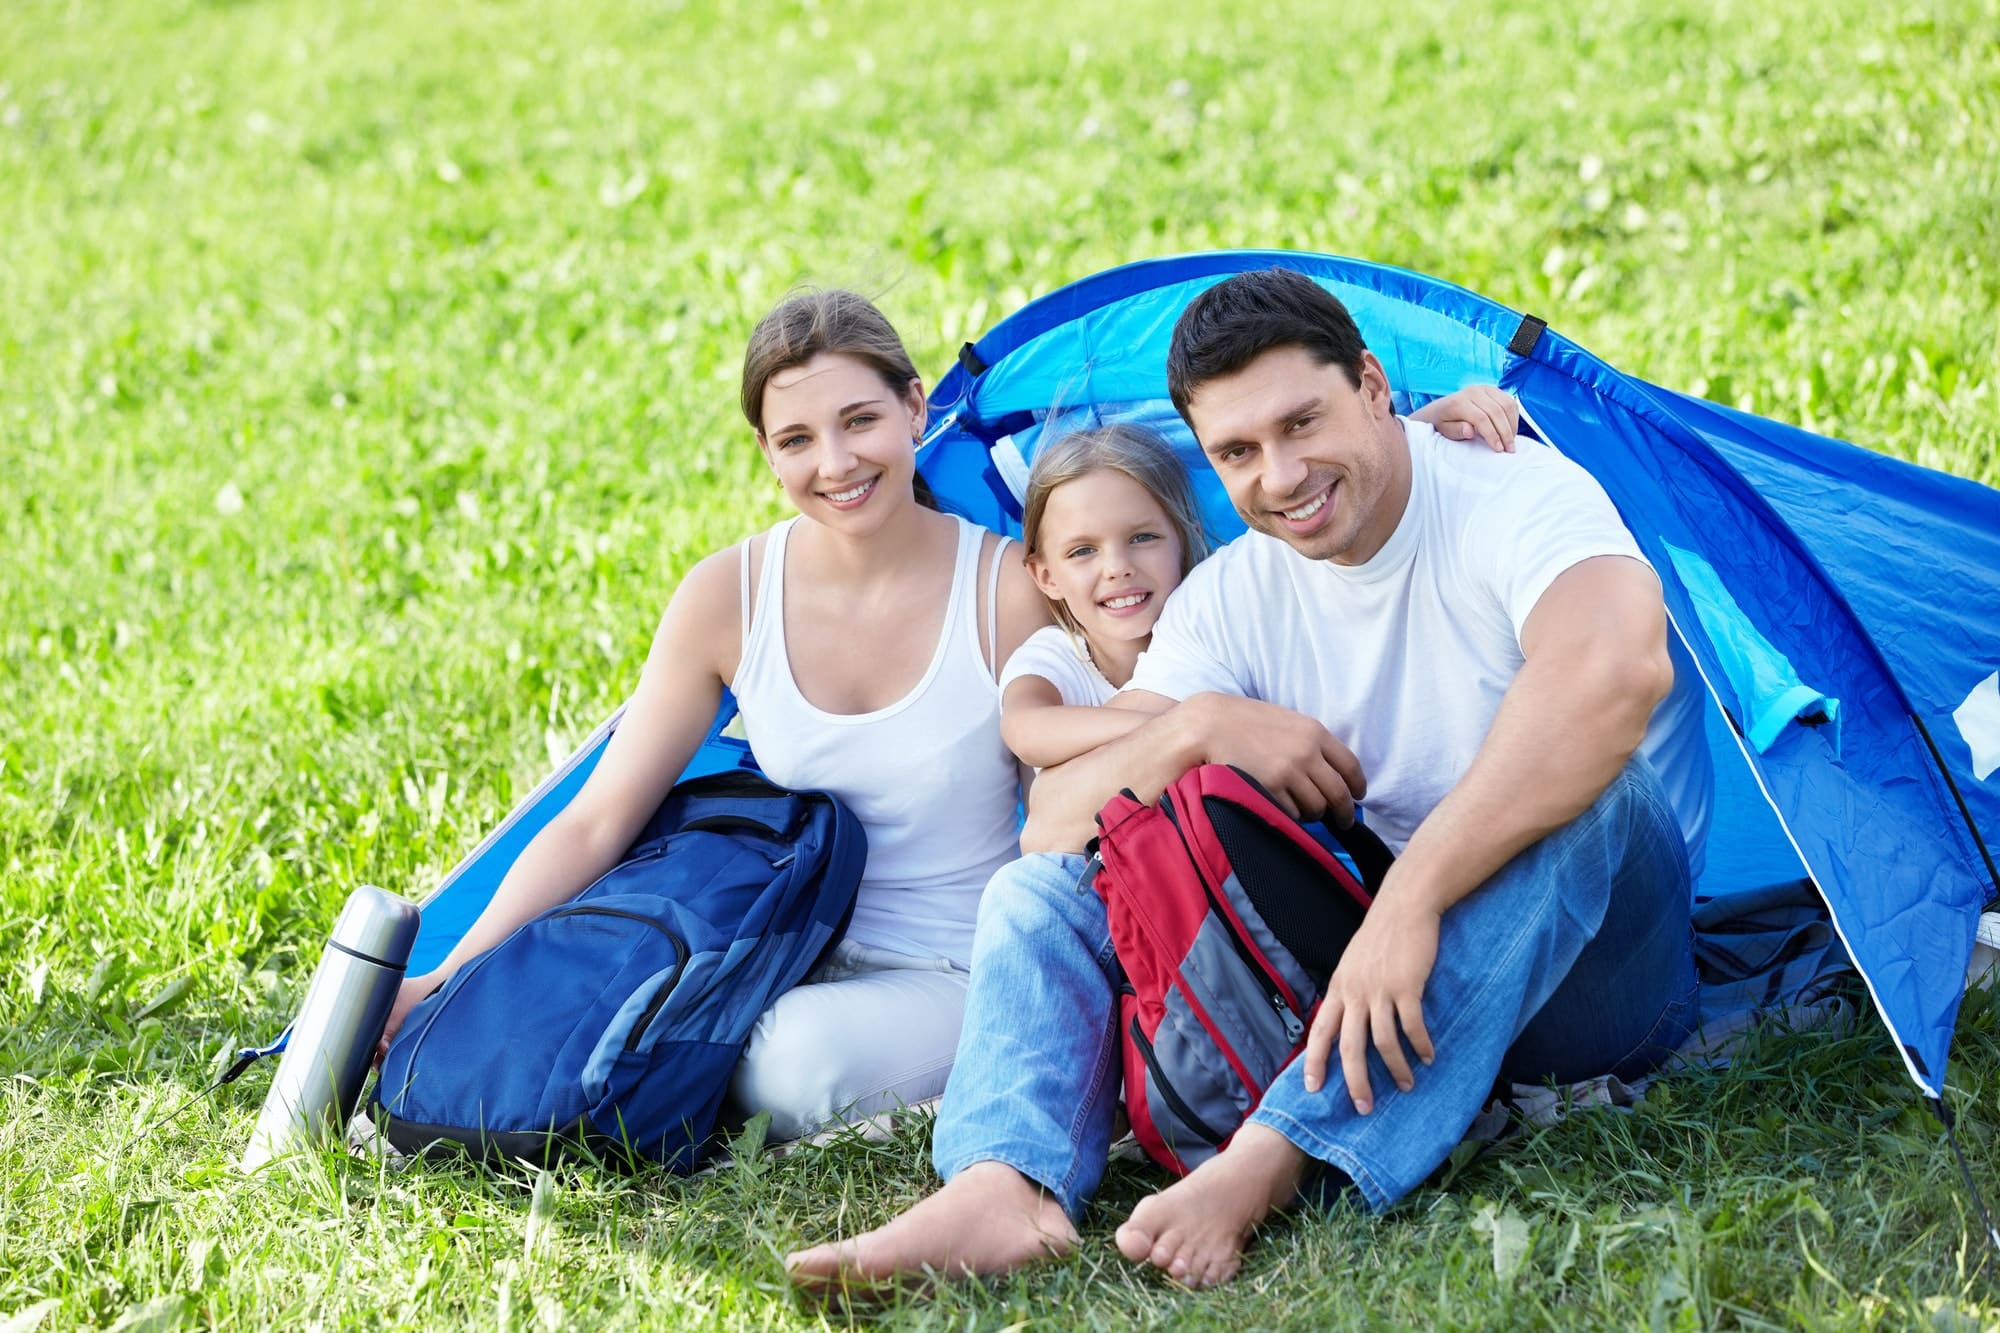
[{"x": 868, "y": 1031}]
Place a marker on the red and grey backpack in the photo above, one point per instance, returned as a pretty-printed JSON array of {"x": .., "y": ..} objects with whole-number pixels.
[{"x": 1228, "y": 918}]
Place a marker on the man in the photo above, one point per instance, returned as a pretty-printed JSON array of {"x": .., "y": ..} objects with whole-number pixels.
[{"x": 1472, "y": 642}]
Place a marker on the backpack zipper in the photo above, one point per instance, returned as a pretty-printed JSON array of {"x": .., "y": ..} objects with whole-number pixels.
[
  {"x": 1274, "y": 994},
  {"x": 1182, "y": 1111},
  {"x": 658, "y": 1001}
]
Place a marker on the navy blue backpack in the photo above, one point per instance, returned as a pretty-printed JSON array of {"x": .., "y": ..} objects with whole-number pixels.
[{"x": 609, "y": 1025}]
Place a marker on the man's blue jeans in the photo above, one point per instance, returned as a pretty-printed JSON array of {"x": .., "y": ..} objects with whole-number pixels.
[{"x": 1574, "y": 960}]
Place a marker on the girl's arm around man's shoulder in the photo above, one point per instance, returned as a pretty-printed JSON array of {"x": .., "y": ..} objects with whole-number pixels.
[{"x": 1479, "y": 412}]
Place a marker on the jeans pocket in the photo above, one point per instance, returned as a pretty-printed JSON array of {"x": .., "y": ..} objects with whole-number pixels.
[{"x": 1669, "y": 1031}]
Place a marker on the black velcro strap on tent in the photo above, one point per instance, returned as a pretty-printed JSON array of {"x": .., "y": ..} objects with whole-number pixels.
[
  {"x": 970, "y": 360},
  {"x": 1525, "y": 337}
]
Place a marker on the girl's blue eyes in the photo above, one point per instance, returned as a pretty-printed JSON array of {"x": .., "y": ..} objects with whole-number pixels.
[{"x": 1084, "y": 552}]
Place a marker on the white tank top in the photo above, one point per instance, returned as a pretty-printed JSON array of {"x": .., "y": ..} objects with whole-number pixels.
[{"x": 928, "y": 775}]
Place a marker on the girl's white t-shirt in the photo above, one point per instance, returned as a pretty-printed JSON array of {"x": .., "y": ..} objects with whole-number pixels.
[{"x": 1052, "y": 654}]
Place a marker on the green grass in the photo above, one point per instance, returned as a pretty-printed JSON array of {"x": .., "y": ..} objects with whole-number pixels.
[{"x": 366, "y": 382}]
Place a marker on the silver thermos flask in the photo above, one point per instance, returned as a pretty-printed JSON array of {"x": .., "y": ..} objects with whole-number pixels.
[{"x": 334, "y": 1036}]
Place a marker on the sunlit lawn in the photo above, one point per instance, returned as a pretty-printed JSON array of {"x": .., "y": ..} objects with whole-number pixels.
[{"x": 366, "y": 381}]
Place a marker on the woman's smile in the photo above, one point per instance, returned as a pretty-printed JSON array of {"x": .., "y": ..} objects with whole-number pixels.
[{"x": 852, "y": 496}]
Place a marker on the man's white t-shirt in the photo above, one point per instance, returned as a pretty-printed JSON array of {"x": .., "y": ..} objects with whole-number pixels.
[
  {"x": 1052, "y": 654},
  {"x": 1405, "y": 658}
]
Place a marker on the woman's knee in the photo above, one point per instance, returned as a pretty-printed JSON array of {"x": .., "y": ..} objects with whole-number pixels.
[
  {"x": 824, "y": 1051},
  {"x": 793, "y": 1068}
]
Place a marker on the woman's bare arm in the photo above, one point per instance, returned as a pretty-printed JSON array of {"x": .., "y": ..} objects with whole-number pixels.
[{"x": 1022, "y": 611}]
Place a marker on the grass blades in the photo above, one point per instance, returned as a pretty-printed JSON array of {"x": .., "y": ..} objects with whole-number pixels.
[{"x": 366, "y": 384}]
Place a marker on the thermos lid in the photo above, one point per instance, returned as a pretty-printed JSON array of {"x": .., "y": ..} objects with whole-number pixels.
[{"x": 377, "y": 924}]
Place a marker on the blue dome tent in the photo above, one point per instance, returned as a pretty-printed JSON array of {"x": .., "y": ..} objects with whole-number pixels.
[{"x": 1842, "y": 607}]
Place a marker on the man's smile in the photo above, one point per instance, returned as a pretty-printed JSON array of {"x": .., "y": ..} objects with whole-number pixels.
[{"x": 1309, "y": 516}]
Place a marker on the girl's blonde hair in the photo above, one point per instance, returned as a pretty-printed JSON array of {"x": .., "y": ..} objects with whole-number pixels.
[{"x": 1139, "y": 452}]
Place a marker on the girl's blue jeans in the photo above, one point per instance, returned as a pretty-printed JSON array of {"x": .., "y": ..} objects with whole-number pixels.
[{"x": 1575, "y": 960}]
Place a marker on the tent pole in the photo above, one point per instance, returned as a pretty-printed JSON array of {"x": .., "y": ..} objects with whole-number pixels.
[
  {"x": 1992, "y": 874},
  {"x": 1949, "y": 1121}
]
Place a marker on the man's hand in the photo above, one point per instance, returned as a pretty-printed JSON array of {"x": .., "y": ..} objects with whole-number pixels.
[
  {"x": 1376, "y": 996},
  {"x": 1306, "y": 770}
]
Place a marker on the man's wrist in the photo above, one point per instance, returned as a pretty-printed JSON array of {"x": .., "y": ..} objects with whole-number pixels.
[
  {"x": 1408, "y": 888},
  {"x": 1187, "y": 741}
]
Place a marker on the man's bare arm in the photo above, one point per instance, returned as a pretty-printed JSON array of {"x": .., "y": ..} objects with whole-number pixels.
[
  {"x": 1305, "y": 768},
  {"x": 1596, "y": 666}
]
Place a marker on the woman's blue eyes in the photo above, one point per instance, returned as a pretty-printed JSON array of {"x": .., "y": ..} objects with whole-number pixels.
[{"x": 861, "y": 422}]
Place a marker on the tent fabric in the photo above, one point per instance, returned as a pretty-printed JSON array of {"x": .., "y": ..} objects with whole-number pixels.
[
  {"x": 1757, "y": 672},
  {"x": 1914, "y": 552},
  {"x": 1816, "y": 545}
]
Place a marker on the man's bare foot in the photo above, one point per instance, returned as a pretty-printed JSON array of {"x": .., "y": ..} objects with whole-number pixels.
[
  {"x": 987, "y": 1219},
  {"x": 1195, "y": 1229}
]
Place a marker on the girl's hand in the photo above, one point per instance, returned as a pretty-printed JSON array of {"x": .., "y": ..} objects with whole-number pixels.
[{"x": 1481, "y": 412}]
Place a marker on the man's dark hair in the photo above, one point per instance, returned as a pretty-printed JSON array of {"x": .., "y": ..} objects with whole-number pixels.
[{"x": 1238, "y": 320}]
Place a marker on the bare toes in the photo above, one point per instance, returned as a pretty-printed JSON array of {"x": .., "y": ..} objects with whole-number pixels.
[{"x": 1133, "y": 1242}]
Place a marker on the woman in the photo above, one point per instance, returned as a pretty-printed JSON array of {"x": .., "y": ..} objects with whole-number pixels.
[{"x": 860, "y": 639}]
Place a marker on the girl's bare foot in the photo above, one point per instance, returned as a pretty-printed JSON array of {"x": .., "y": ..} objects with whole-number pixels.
[
  {"x": 987, "y": 1219},
  {"x": 1195, "y": 1230}
]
